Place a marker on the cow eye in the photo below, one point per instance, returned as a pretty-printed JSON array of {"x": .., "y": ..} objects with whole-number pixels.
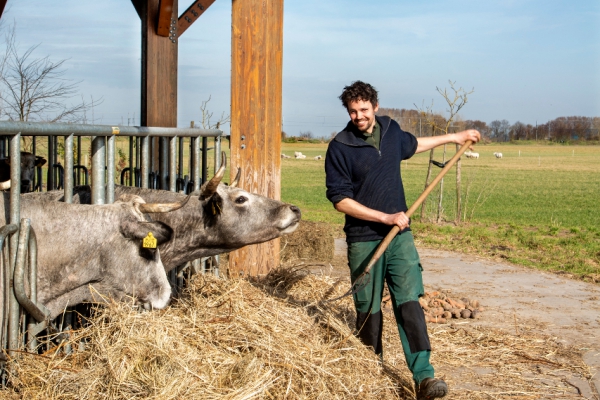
[{"x": 241, "y": 200}]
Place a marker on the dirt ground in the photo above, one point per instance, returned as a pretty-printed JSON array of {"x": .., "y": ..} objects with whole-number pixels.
[{"x": 516, "y": 299}]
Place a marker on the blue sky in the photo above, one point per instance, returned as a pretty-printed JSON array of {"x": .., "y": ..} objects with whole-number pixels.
[{"x": 527, "y": 60}]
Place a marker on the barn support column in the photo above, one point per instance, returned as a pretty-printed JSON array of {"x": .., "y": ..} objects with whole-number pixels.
[
  {"x": 256, "y": 85},
  {"x": 159, "y": 78}
]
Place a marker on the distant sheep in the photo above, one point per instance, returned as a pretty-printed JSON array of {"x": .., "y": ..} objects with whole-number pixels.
[
  {"x": 299, "y": 155},
  {"x": 470, "y": 154},
  {"x": 318, "y": 157},
  {"x": 498, "y": 155},
  {"x": 285, "y": 156}
]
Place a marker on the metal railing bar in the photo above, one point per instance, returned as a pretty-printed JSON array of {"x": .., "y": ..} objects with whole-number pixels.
[
  {"x": 196, "y": 177},
  {"x": 145, "y": 162},
  {"x": 19, "y": 274},
  {"x": 172, "y": 164},
  {"x": 61, "y": 129},
  {"x": 15, "y": 215},
  {"x": 7, "y": 290},
  {"x": 98, "y": 159},
  {"x": 110, "y": 173},
  {"x": 68, "y": 179}
]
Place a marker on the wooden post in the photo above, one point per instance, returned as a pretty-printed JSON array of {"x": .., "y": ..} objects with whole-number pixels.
[
  {"x": 256, "y": 86},
  {"x": 159, "y": 76}
]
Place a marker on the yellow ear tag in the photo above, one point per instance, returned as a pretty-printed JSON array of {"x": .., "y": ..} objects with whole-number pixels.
[{"x": 149, "y": 241}]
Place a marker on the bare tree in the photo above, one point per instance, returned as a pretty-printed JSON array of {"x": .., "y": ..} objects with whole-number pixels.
[
  {"x": 35, "y": 89},
  {"x": 207, "y": 115},
  {"x": 456, "y": 100}
]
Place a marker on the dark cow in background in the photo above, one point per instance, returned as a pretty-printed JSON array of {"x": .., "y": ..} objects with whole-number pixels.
[
  {"x": 29, "y": 163},
  {"x": 217, "y": 219},
  {"x": 99, "y": 246}
]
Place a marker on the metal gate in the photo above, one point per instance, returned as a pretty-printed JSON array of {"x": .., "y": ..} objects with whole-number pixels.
[{"x": 18, "y": 246}]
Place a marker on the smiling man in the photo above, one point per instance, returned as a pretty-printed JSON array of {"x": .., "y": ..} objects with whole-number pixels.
[{"x": 363, "y": 181}]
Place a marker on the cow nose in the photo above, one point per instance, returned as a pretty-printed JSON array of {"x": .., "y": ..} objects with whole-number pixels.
[
  {"x": 24, "y": 186},
  {"x": 296, "y": 211}
]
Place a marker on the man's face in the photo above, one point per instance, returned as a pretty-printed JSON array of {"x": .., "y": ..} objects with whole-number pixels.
[{"x": 362, "y": 115}]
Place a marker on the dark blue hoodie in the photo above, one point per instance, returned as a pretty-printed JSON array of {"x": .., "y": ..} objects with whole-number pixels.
[{"x": 357, "y": 170}]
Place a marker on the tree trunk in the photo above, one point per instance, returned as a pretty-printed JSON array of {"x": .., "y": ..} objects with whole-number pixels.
[
  {"x": 423, "y": 206},
  {"x": 458, "y": 194},
  {"x": 439, "y": 210}
]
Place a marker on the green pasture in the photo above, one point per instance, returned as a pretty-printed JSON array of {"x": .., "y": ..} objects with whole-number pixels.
[{"x": 537, "y": 205}]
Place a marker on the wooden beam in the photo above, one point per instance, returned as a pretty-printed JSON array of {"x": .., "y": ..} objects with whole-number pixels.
[
  {"x": 2, "y": 5},
  {"x": 192, "y": 14},
  {"x": 159, "y": 71},
  {"x": 166, "y": 25},
  {"x": 256, "y": 95},
  {"x": 137, "y": 4},
  {"x": 159, "y": 80}
]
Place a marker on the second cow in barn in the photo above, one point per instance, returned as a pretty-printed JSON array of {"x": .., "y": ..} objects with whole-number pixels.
[
  {"x": 218, "y": 219},
  {"x": 29, "y": 163},
  {"x": 79, "y": 246}
]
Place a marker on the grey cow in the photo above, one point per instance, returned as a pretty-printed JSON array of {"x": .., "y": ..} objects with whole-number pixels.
[
  {"x": 80, "y": 246},
  {"x": 218, "y": 219}
]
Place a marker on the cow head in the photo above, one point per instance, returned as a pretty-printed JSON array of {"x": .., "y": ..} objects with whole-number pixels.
[
  {"x": 149, "y": 285},
  {"x": 29, "y": 163},
  {"x": 237, "y": 218}
]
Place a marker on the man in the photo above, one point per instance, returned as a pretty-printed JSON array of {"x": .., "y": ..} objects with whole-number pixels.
[{"x": 363, "y": 180}]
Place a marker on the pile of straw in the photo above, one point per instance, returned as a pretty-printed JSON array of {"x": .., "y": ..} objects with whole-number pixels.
[
  {"x": 273, "y": 338},
  {"x": 223, "y": 339}
]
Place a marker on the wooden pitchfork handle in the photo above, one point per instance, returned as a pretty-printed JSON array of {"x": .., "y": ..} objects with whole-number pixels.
[{"x": 387, "y": 240}]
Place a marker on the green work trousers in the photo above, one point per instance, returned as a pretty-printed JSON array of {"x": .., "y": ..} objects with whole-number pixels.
[{"x": 400, "y": 267}]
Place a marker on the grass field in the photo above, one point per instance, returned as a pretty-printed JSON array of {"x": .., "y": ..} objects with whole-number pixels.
[{"x": 537, "y": 206}]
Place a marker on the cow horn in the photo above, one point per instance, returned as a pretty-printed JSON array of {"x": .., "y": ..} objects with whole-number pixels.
[
  {"x": 210, "y": 187},
  {"x": 162, "y": 207},
  {"x": 5, "y": 185},
  {"x": 236, "y": 181}
]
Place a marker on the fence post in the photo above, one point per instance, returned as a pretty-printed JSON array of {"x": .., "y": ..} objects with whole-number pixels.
[
  {"x": 98, "y": 163},
  {"x": 69, "y": 169},
  {"x": 15, "y": 216},
  {"x": 110, "y": 173}
]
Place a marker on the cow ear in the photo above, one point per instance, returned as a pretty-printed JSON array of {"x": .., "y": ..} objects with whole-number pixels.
[
  {"x": 213, "y": 206},
  {"x": 39, "y": 161},
  {"x": 138, "y": 230}
]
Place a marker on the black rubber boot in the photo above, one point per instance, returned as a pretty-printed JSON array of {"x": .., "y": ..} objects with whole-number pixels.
[{"x": 431, "y": 388}]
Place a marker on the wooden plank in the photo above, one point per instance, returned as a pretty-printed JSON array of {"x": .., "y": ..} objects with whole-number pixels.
[
  {"x": 2, "y": 5},
  {"x": 192, "y": 14},
  {"x": 256, "y": 95},
  {"x": 166, "y": 22},
  {"x": 137, "y": 4},
  {"x": 159, "y": 78},
  {"x": 159, "y": 71}
]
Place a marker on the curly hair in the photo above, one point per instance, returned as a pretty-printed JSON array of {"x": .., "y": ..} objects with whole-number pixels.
[{"x": 359, "y": 90}]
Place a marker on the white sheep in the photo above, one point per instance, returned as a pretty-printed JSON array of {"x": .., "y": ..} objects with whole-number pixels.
[
  {"x": 300, "y": 156},
  {"x": 470, "y": 154},
  {"x": 285, "y": 156},
  {"x": 318, "y": 157},
  {"x": 474, "y": 155},
  {"x": 297, "y": 153},
  {"x": 498, "y": 155}
]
